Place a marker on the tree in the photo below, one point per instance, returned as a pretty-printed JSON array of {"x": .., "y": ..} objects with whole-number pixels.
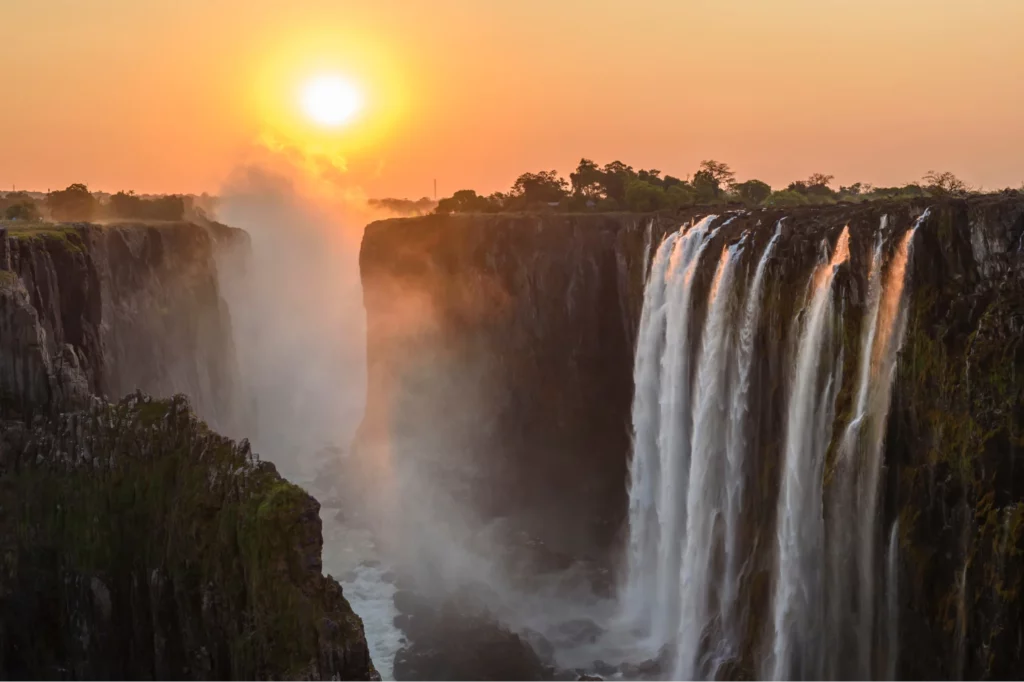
[
  {"x": 168, "y": 207},
  {"x": 721, "y": 172},
  {"x": 643, "y": 196},
  {"x": 588, "y": 180},
  {"x": 752, "y": 192},
  {"x": 75, "y": 202},
  {"x": 404, "y": 206},
  {"x": 706, "y": 185},
  {"x": 944, "y": 184},
  {"x": 535, "y": 188},
  {"x": 815, "y": 188},
  {"x": 128, "y": 206},
  {"x": 616, "y": 177},
  {"x": 650, "y": 176},
  {"x": 466, "y": 201},
  {"x": 786, "y": 197},
  {"x": 125, "y": 205},
  {"x": 680, "y": 195},
  {"x": 820, "y": 179},
  {"x": 24, "y": 209}
]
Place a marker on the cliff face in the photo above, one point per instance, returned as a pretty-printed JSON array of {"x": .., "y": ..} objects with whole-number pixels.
[
  {"x": 106, "y": 310},
  {"x": 136, "y": 542},
  {"x": 536, "y": 317},
  {"x": 139, "y": 544},
  {"x": 512, "y": 334}
]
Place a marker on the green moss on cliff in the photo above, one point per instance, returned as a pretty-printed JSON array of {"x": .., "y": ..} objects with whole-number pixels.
[
  {"x": 68, "y": 234},
  {"x": 960, "y": 394},
  {"x": 206, "y": 563}
]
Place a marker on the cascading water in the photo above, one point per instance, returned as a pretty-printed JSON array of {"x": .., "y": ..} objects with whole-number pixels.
[
  {"x": 892, "y": 603},
  {"x": 800, "y": 532},
  {"x": 694, "y": 561},
  {"x": 641, "y": 589},
  {"x": 860, "y": 460},
  {"x": 707, "y": 468},
  {"x": 674, "y": 431},
  {"x": 737, "y": 447},
  {"x": 841, "y": 544}
]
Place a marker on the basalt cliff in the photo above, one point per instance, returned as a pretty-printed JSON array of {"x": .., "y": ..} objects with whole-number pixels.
[
  {"x": 518, "y": 334},
  {"x": 136, "y": 541}
]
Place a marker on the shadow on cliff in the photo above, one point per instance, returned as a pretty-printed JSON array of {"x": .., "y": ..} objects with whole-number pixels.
[{"x": 454, "y": 518}]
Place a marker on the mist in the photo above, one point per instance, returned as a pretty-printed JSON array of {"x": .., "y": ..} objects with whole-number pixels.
[
  {"x": 297, "y": 316},
  {"x": 405, "y": 487}
]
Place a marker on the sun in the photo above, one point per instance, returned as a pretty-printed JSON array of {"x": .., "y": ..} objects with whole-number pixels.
[{"x": 331, "y": 100}]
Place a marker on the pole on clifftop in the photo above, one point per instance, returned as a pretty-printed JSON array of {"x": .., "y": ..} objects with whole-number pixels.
[{"x": 435, "y": 189}]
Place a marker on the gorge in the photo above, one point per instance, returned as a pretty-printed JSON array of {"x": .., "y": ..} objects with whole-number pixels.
[
  {"x": 821, "y": 480},
  {"x": 722, "y": 443}
]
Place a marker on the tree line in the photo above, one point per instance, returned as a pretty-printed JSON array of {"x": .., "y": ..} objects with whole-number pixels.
[
  {"x": 618, "y": 187},
  {"x": 75, "y": 203}
]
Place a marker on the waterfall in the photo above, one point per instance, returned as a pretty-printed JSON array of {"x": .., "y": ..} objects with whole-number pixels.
[
  {"x": 697, "y": 563},
  {"x": 892, "y": 610},
  {"x": 707, "y": 469},
  {"x": 674, "y": 432},
  {"x": 800, "y": 529},
  {"x": 891, "y": 325},
  {"x": 737, "y": 451},
  {"x": 860, "y": 459},
  {"x": 841, "y": 542},
  {"x": 645, "y": 468}
]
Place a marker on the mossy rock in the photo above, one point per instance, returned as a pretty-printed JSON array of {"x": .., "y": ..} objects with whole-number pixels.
[{"x": 138, "y": 543}]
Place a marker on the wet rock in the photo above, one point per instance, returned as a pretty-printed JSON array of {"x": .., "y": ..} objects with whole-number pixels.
[
  {"x": 544, "y": 648},
  {"x": 409, "y": 602},
  {"x": 454, "y": 645},
  {"x": 105, "y": 310},
  {"x": 652, "y": 667},
  {"x": 645, "y": 670},
  {"x": 553, "y": 672},
  {"x": 576, "y": 632}
]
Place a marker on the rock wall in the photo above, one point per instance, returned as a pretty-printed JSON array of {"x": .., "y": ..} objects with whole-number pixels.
[
  {"x": 105, "y": 310},
  {"x": 138, "y": 544},
  {"x": 506, "y": 340},
  {"x": 135, "y": 541},
  {"x": 510, "y": 338}
]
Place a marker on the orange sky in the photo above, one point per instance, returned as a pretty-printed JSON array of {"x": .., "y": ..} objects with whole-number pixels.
[{"x": 164, "y": 96}]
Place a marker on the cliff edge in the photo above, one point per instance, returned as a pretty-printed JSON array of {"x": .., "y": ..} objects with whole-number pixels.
[{"x": 137, "y": 543}]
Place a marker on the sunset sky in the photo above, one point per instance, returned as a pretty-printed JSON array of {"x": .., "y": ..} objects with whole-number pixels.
[{"x": 163, "y": 96}]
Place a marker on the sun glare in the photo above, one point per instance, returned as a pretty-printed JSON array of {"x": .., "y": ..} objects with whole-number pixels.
[{"x": 331, "y": 100}]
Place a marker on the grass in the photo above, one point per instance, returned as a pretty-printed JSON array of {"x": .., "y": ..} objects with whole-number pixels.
[
  {"x": 39, "y": 230},
  {"x": 20, "y": 228}
]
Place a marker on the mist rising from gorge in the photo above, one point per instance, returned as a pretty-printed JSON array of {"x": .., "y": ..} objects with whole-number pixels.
[
  {"x": 297, "y": 311},
  {"x": 297, "y": 314}
]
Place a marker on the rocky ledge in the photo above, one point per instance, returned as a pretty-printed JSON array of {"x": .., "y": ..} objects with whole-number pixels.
[
  {"x": 107, "y": 309},
  {"x": 135, "y": 542},
  {"x": 139, "y": 544}
]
